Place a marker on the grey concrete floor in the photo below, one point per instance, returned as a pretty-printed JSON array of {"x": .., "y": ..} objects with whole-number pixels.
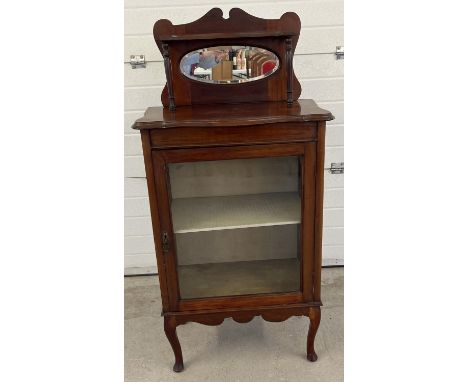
[{"x": 256, "y": 351}]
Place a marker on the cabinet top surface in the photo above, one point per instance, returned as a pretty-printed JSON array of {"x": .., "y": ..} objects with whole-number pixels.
[{"x": 244, "y": 114}]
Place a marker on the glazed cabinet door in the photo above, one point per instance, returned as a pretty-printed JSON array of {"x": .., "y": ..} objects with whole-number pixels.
[{"x": 237, "y": 224}]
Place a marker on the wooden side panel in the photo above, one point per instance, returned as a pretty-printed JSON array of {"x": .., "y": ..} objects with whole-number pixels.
[
  {"x": 320, "y": 157},
  {"x": 151, "y": 183},
  {"x": 308, "y": 214},
  {"x": 165, "y": 225}
]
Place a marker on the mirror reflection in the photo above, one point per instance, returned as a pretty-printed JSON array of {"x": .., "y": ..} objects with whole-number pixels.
[{"x": 229, "y": 64}]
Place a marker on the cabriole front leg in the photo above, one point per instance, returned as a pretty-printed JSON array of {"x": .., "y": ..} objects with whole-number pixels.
[
  {"x": 170, "y": 326},
  {"x": 314, "y": 316}
]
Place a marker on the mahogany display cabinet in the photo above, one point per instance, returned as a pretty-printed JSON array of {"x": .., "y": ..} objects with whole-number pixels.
[{"x": 235, "y": 168}]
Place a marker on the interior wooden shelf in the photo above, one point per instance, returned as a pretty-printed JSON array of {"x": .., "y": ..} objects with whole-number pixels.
[
  {"x": 233, "y": 212},
  {"x": 239, "y": 278}
]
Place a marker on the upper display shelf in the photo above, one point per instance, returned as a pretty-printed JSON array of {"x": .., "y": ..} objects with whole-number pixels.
[
  {"x": 262, "y": 49},
  {"x": 218, "y": 36}
]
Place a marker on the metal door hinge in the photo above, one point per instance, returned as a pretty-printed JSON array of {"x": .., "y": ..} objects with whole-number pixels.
[
  {"x": 336, "y": 168},
  {"x": 165, "y": 242},
  {"x": 138, "y": 61},
  {"x": 339, "y": 52}
]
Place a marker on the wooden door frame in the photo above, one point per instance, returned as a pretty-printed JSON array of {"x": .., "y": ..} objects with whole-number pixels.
[{"x": 160, "y": 161}]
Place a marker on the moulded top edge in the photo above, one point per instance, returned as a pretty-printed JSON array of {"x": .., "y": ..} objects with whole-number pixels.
[
  {"x": 213, "y": 36},
  {"x": 232, "y": 115}
]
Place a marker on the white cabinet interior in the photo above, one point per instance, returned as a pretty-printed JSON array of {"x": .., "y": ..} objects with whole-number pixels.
[
  {"x": 236, "y": 211},
  {"x": 237, "y": 226}
]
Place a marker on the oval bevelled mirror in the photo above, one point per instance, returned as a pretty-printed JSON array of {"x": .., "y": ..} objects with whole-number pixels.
[{"x": 229, "y": 64}]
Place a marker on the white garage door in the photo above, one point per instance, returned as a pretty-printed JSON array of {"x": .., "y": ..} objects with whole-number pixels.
[{"x": 315, "y": 64}]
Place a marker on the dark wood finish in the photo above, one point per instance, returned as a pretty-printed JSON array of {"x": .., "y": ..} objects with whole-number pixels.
[
  {"x": 165, "y": 226},
  {"x": 318, "y": 224},
  {"x": 240, "y": 28},
  {"x": 249, "y": 301},
  {"x": 153, "y": 200},
  {"x": 235, "y": 135},
  {"x": 258, "y": 113},
  {"x": 308, "y": 209},
  {"x": 290, "y": 71},
  {"x": 275, "y": 314},
  {"x": 199, "y": 124},
  {"x": 314, "y": 316},
  {"x": 168, "y": 69},
  {"x": 235, "y": 152},
  {"x": 170, "y": 325},
  {"x": 223, "y": 36}
]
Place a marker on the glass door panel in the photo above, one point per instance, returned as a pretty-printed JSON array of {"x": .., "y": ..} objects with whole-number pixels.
[{"x": 237, "y": 226}]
